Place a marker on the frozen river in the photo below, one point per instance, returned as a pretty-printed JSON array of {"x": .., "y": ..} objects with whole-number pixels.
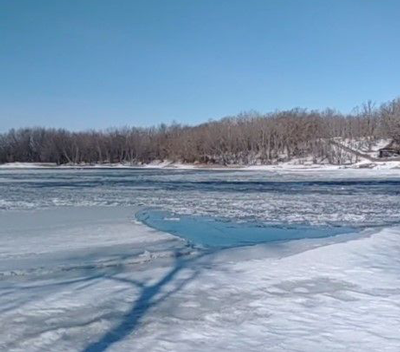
[
  {"x": 159, "y": 260},
  {"x": 328, "y": 197}
]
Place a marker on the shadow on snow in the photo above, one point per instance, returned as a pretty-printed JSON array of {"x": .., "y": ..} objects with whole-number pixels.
[{"x": 146, "y": 300}]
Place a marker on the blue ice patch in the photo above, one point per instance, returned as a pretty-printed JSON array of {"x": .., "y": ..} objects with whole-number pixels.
[{"x": 219, "y": 233}]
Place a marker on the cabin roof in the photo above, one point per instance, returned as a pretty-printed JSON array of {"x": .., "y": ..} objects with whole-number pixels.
[{"x": 392, "y": 146}]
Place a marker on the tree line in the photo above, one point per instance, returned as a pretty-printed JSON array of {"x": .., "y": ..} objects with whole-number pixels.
[{"x": 247, "y": 138}]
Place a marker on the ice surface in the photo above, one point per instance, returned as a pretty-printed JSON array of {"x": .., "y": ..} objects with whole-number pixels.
[
  {"x": 342, "y": 197},
  {"x": 67, "y": 239},
  {"x": 317, "y": 294},
  {"x": 209, "y": 232},
  {"x": 76, "y": 275}
]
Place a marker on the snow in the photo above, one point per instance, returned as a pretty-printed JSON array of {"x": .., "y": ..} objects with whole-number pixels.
[
  {"x": 18, "y": 165},
  {"x": 79, "y": 273},
  {"x": 137, "y": 289},
  {"x": 364, "y": 146},
  {"x": 68, "y": 238},
  {"x": 295, "y": 164}
]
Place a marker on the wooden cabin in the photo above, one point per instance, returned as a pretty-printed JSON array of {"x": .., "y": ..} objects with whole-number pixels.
[{"x": 390, "y": 151}]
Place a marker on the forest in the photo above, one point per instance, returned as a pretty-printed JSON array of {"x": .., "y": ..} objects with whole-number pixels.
[{"x": 247, "y": 138}]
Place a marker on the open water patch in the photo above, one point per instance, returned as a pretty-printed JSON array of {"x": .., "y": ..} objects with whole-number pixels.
[{"x": 211, "y": 232}]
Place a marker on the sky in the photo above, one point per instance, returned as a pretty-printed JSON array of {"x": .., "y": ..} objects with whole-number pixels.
[{"x": 83, "y": 64}]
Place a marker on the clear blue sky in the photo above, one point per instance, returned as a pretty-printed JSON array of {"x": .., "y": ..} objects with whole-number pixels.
[{"x": 96, "y": 63}]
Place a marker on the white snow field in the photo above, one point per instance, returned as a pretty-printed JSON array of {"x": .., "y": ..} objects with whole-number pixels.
[{"x": 79, "y": 273}]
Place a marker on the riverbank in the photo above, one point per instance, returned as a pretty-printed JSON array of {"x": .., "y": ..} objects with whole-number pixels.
[{"x": 297, "y": 164}]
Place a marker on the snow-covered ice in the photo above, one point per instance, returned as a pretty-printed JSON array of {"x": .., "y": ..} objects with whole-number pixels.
[{"x": 79, "y": 273}]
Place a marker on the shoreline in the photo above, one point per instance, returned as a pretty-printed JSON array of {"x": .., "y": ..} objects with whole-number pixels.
[{"x": 290, "y": 166}]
